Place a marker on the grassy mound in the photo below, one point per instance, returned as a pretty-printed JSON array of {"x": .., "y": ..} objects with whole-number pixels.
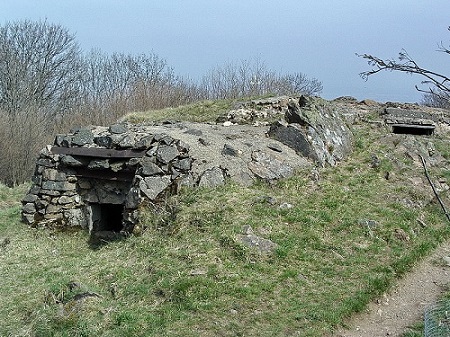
[{"x": 340, "y": 241}]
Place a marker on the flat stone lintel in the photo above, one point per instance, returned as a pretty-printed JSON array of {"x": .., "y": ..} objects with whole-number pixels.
[
  {"x": 98, "y": 152},
  {"x": 414, "y": 126}
]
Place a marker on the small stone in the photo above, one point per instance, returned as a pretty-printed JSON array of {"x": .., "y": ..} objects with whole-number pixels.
[
  {"x": 30, "y": 198},
  {"x": 165, "y": 154},
  {"x": 275, "y": 147},
  {"x": 228, "y": 150},
  {"x": 446, "y": 260},
  {"x": 227, "y": 123},
  {"x": 148, "y": 168},
  {"x": 103, "y": 141},
  {"x": 183, "y": 164},
  {"x": 401, "y": 235},
  {"x": 68, "y": 160},
  {"x": 286, "y": 205},
  {"x": 212, "y": 178},
  {"x": 368, "y": 223},
  {"x": 29, "y": 208},
  {"x": 99, "y": 164},
  {"x": 118, "y": 129},
  {"x": 153, "y": 186},
  {"x": 83, "y": 137},
  {"x": 144, "y": 142},
  {"x": 127, "y": 141}
]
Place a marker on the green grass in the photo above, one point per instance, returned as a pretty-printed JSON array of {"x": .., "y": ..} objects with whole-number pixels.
[
  {"x": 189, "y": 275},
  {"x": 203, "y": 111}
]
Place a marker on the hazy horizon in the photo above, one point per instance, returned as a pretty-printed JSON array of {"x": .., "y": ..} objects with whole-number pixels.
[{"x": 318, "y": 39}]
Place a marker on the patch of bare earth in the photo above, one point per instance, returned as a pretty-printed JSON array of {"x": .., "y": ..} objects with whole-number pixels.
[{"x": 405, "y": 304}]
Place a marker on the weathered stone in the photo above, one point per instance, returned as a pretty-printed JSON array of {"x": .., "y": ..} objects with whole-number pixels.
[
  {"x": 133, "y": 162},
  {"x": 104, "y": 141},
  {"x": 29, "y": 208},
  {"x": 133, "y": 198},
  {"x": 65, "y": 200},
  {"x": 117, "y": 166},
  {"x": 276, "y": 147},
  {"x": 53, "y": 174},
  {"x": 30, "y": 198},
  {"x": 118, "y": 128},
  {"x": 83, "y": 137},
  {"x": 263, "y": 246},
  {"x": 99, "y": 164},
  {"x": 68, "y": 160},
  {"x": 194, "y": 132},
  {"x": 153, "y": 186},
  {"x": 34, "y": 189},
  {"x": 57, "y": 186},
  {"x": 228, "y": 150},
  {"x": 28, "y": 218},
  {"x": 50, "y": 192},
  {"x": 127, "y": 141},
  {"x": 45, "y": 162},
  {"x": 212, "y": 178},
  {"x": 41, "y": 204},
  {"x": 182, "y": 147},
  {"x": 268, "y": 167},
  {"x": 62, "y": 141},
  {"x": 183, "y": 164},
  {"x": 84, "y": 184},
  {"x": 165, "y": 154},
  {"x": 51, "y": 208},
  {"x": 75, "y": 217},
  {"x": 294, "y": 137},
  {"x": 166, "y": 140},
  {"x": 152, "y": 151},
  {"x": 149, "y": 168},
  {"x": 144, "y": 142},
  {"x": 54, "y": 217}
]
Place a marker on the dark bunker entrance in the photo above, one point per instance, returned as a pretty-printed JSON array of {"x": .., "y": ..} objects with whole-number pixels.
[
  {"x": 412, "y": 129},
  {"x": 106, "y": 217}
]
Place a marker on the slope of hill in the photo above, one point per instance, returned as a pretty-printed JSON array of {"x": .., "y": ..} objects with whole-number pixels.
[{"x": 337, "y": 237}]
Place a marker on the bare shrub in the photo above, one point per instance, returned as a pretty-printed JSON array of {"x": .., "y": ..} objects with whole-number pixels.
[{"x": 253, "y": 78}]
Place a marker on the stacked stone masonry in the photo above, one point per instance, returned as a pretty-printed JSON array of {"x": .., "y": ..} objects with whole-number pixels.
[{"x": 119, "y": 165}]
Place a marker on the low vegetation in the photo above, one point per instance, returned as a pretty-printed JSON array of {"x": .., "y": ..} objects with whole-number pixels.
[{"x": 342, "y": 240}]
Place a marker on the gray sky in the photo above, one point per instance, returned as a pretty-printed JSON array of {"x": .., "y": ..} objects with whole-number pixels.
[{"x": 318, "y": 38}]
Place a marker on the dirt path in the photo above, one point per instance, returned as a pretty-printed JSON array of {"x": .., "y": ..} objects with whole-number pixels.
[{"x": 405, "y": 304}]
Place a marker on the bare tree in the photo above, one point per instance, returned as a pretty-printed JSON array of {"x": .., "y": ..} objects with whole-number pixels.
[
  {"x": 436, "y": 85},
  {"x": 39, "y": 85},
  {"x": 39, "y": 66}
]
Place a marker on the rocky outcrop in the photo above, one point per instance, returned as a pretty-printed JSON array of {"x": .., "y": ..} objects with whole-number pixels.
[
  {"x": 314, "y": 130},
  {"x": 309, "y": 125}
]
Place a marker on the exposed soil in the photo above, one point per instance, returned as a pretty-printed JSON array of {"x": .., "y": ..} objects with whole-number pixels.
[{"x": 393, "y": 313}]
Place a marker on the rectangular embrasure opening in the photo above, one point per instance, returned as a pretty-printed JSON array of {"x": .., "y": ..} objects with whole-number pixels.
[{"x": 413, "y": 129}]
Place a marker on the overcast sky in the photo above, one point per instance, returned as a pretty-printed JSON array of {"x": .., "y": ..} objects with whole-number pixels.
[{"x": 318, "y": 38}]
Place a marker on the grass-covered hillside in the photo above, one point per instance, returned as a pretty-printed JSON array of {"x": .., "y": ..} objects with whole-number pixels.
[{"x": 341, "y": 239}]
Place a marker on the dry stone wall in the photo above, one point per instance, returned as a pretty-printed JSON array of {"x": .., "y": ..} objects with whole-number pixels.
[{"x": 120, "y": 165}]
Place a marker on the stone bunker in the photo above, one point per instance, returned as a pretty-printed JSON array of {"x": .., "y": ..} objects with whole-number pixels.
[
  {"x": 412, "y": 122},
  {"x": 98, "y": 177}
]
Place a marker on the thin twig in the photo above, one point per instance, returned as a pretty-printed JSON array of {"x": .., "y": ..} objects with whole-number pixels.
[{"x": 434, "y": 188}]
